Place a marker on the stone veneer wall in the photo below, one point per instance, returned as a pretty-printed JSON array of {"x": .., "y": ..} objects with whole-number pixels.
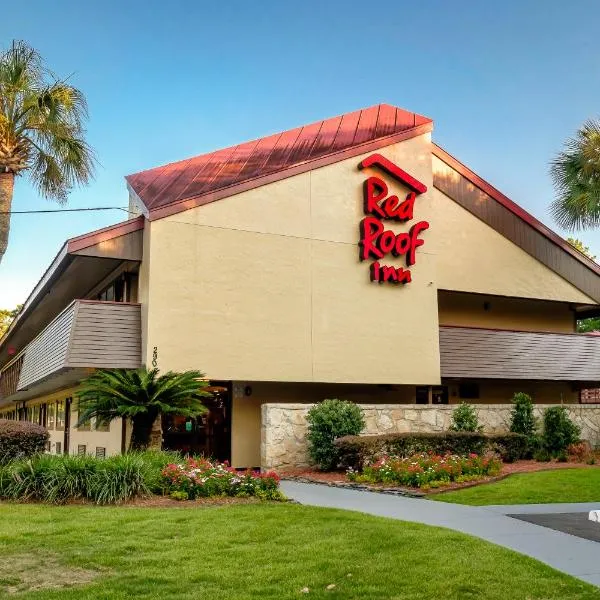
[{"x": 283, "y": 438}]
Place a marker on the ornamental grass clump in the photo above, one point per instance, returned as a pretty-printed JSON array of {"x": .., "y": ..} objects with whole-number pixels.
[
  {"x": 427, "y": 470},
  {"x": 58, "y": 479},
  {"x": 202, "y": 478}
]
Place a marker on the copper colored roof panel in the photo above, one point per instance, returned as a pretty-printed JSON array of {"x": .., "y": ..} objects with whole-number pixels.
[{"x": 197, "y": 180}]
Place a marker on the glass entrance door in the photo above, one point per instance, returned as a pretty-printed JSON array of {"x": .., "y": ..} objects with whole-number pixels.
[{"x": 209, "y": 434}]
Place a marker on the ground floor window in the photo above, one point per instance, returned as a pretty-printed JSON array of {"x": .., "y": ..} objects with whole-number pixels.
[
  {"x": 439, "y": 394},
  {"x": 60, "y": 415}
]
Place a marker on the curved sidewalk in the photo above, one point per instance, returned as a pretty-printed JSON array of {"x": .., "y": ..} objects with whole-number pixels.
[{"x": 567, "y": 553}]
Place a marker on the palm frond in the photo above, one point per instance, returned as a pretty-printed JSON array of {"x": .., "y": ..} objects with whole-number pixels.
[
  {"x": 42, "y": 125},
  {"x": 111, "y": 393},
  {"x": 576, "y": 177}
]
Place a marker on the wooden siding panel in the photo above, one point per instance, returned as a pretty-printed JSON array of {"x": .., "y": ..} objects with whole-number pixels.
[
  {"x": 497, "y": 354},
  {"x": 485, "y": 207},
  {"x": 86, "y": 334},
  {"x": 47, "y": 352},
  {"x": 106, "y": 335}
]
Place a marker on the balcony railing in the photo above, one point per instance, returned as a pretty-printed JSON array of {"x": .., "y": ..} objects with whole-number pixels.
[
  {"x": 9, "y": 376},
  {"x": 87, "y": 334}
]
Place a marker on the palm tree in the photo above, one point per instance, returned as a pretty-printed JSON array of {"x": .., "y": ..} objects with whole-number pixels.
[
  {"x": 41, "y": 131},
  {"x": 576, "y": 176},
  {"x": 141, "y": 396}
]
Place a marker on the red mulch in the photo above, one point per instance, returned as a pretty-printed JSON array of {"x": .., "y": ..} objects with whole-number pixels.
[
  {"x": 159, "y": 502},
  {"x": 521, "y": 466}
]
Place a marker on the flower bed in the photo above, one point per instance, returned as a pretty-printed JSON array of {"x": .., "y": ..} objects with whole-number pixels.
[
  {"x": 427, "y": 471},
  {"x": 201, "y": 478}
]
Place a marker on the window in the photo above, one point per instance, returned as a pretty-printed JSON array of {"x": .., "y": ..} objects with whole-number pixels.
[
  {"x": 122, "y": 289},
  {"x": 58, "y": 448},
  {"x": 439, "y": 394},
  {"x": 422, "y": 394},
  {"x": 468, "y": 391},
  {"x": 36, "y": 414},
  {"x": 81, "y": 449},
  {"x": 102, "y": 426},
  {"x": 100, "y": 452},
  {"x": 60, "y": 415},
  {"x": 50, "y": 413}
]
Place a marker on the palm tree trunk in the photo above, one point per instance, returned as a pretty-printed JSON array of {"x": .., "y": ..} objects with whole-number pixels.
[
  {"x": 7, "y": 184},
  {"x": 141, "y": 432},
  {"x": 156, "y": 434}
]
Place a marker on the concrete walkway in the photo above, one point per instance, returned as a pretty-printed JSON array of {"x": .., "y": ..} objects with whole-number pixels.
[{"x": 567, "y": 553}]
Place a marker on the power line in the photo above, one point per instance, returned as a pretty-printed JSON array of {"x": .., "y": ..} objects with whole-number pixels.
[{"x": 62, "y": 210}]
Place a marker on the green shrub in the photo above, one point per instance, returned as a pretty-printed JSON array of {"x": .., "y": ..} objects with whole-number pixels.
[
  {"x": 327, "y": 421},
  {"x": 20, "y": 439},
  {"x": 542, "y": 455},
  {"x": 559, "y": 431},
  {"x": 179, "y": 496},
  {"x": 509, "y": 446},
  {"x": 358, "y": 450},
  {"x": 464, "y": 418},
  {"x": 523, "y": 421},
  {"x": 521, "y": 416},
  {"x": 62, "y": 478}
]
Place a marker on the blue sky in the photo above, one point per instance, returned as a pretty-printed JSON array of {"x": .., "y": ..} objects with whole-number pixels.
[{"x": 506, "y": 84}]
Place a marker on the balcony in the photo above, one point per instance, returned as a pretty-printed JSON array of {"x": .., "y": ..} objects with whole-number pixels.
[
  {"x": 86, "y": 335},
  {"x": 477, "y": 353}
]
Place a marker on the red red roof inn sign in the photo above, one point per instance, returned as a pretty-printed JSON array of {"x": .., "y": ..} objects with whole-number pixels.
[{"x": 377, "y": 242}]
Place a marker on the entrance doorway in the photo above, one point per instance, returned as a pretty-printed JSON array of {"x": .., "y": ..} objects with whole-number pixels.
[{"x": 209, "y": 434}]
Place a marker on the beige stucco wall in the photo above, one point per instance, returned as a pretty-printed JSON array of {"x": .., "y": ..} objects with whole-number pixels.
[
  {"x": 267, "y": 285},
  {"x": 473, "y": 257},
  {"x": 469, "y": 310},
  {"x": 284, "y": 426}
]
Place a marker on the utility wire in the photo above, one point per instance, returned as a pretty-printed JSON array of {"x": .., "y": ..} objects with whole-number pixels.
[{"x": 61, "y": 210}]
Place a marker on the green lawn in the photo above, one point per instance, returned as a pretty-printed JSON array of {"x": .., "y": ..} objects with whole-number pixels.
[
  {"x": 543, "y": 487},
  {"x": 265, "y": 551}
]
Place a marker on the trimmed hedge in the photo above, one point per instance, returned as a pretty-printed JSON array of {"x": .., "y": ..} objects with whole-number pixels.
[
  {"x": 357, "y": 450},
  {"x": 20, "y": 439}
]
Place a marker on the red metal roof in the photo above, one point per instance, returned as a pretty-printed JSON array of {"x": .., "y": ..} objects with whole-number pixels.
[{"x": 181, "y": 185}]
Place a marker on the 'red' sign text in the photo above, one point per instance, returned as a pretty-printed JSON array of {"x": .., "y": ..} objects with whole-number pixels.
[{"x": 377, "y": 242}]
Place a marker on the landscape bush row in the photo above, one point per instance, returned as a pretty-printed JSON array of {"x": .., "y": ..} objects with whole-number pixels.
[
  {"x": 427, "y": 470},
  {"x": 357, "y": 451},
  {"x": 334, "y": 441},
  {"x": 68, "y": 478}
]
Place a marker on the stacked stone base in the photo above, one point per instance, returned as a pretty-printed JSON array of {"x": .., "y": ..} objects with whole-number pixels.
[{"x": 284, "y": 426}]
